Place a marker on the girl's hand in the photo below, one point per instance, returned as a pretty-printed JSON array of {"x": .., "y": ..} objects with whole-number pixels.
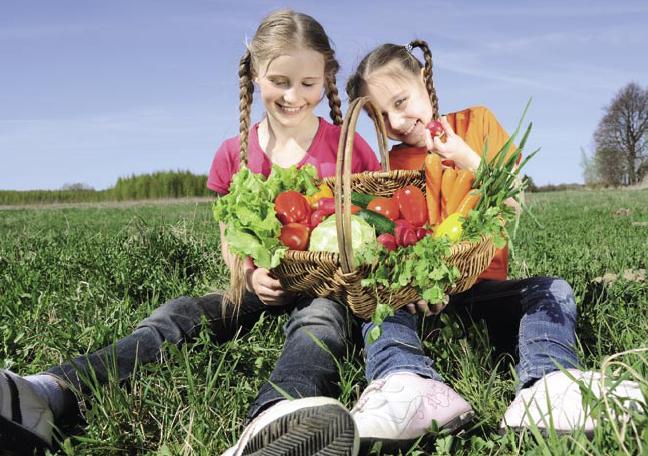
[
  {"x": 426, "y": 309},
  {"x": 260, "y": 282},
  {"x": 453, "y": 148}
]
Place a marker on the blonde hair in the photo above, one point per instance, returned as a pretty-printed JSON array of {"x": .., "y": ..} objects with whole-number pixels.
[
  {"x": 394, "y": 54},
  {"x": 280, "y": 31}
]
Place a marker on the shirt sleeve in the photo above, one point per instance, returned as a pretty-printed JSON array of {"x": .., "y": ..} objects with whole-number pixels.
[
  {"x": 494, "y": 133},
  {"x": 222, "y": 169},
  {"x": 367, "y": 160}
]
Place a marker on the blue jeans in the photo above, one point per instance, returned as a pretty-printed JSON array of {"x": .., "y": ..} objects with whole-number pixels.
[
  {"x": 535, "y": 315},
  {"x": 398, "y": 349},
  {"x": 303, "y": 369},
  {"x": 318, "y": 335}
]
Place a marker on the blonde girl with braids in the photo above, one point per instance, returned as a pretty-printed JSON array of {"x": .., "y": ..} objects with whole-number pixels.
[
  {"x": 533, "y": 317},
  {"x": 291, "y": 61}
]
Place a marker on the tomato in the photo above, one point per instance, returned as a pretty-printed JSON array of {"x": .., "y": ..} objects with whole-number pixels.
[
  {"x": 451, "y": 227},
  {"x": 295, "y": 236},
  {"x": 385, "y": 206},
  {"x": 388, "y": 241},
  {"x": 412, "y": 205},
  {"x": 436, "y": 128},
  {"x": 292, "y": 207}
]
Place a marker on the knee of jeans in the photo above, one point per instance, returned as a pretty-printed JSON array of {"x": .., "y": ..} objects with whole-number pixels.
[
  {"x": 564, "y": 294},
  {"x": 320, "y": 312},
  {"x": 169, "y": 312},
  {"x": 559, "y": 290}
]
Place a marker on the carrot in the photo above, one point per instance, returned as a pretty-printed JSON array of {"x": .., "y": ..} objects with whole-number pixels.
[
  {"x": 433, "y": 174},
  {"x": 447, "y": 182},
  {"x": 462, "y": 184},
  {"x": 468, "y": 202}
]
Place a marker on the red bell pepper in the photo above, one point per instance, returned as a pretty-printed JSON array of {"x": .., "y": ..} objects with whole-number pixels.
[{"x": 412, "y": 205}]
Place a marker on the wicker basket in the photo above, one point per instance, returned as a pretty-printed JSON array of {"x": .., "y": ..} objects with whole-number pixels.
[{"x": 334, "y": 275}]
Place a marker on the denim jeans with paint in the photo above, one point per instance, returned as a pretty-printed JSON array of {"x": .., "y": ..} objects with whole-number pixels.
[{"x": 536, "y": 315}]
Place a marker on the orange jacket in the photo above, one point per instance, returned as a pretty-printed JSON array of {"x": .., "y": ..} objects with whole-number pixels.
[{"x": 475, "y": 125}]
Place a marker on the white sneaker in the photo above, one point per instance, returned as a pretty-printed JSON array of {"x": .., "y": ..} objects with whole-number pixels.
[
  {"x": 25, "y": 418},
  {"x": 556, "y": 402},
  {"x": 400, "y": 408},
  {"x": 301, "y": 427}
]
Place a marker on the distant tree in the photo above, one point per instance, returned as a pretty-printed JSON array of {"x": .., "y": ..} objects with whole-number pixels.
[
  {"x": 642, "y": 172},
  {"x": 531, "y": 186},
  {"x": 622, "y": 135},
  {"x": 77, "y": 186},
  {"x": 610, "y": 167},
  {"x": 590, "y": 171}
]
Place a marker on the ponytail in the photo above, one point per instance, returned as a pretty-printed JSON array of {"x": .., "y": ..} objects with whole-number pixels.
[
  {"x": 427, "y": 74},
  {"x": 334, "y": 100},
  {"x": 234, "y": 294},
  {"x": 245, "y": 104}
]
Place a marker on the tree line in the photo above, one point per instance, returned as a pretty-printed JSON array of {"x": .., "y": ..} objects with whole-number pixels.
[
  {"x": 620, "y": 158},
  {"x": 162, "y": 184},
  {"x": 620, "y": 141}
]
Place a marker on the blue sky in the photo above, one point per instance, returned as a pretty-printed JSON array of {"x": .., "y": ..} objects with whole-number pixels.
[{"x": 93, "y": 90}]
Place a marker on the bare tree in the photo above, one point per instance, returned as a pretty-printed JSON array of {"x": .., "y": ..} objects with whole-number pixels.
[
  {"x": 622, "y": 135},
  {"x": 588, "y": 165}
]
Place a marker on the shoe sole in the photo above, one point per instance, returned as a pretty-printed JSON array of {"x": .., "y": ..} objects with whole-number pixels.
[
  {"x": 326, "y": 430},
  {"x": 452, "y": 427}
]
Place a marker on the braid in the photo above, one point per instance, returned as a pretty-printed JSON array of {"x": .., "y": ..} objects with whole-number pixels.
[
  {"x": 427, "y": 73},
  {"x": 245, "y": 104},
  {"x": 353, "y": 86},
  {"x": 334, "y": 100}
]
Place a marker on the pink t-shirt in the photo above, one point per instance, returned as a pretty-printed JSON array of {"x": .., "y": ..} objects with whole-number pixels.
[{"x": 322, "y": 154}]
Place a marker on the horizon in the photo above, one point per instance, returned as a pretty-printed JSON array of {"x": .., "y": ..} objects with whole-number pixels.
[{"x": 93, "y": 92}]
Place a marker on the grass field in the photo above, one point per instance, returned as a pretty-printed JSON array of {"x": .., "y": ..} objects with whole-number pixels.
[{"x": 75, "y": 279}]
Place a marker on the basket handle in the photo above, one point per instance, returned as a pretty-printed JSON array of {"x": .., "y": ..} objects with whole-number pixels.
[{"x": 343, "y": 173}]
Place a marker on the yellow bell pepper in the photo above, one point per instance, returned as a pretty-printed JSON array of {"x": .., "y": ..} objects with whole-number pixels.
[{"x": 323, "y": 192}]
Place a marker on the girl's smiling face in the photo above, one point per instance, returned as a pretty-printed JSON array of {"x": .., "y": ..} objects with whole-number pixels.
[
  {"x": 291, "y": 86},
  {"x": 403, "y": 101}
]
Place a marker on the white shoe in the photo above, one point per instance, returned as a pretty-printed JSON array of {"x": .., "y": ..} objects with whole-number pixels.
[
  {"x": 25, "y": 417},
  {"x": 301, "y": 427},
  {"x": 556, "y": 402},
  {"x": 402, "y": 407}
]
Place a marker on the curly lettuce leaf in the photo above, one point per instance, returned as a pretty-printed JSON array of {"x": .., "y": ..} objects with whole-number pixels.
[{"x": 248, "y": 211}]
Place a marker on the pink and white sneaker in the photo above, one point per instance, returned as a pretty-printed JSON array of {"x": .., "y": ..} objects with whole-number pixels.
[
  {"x": 401, "y": 408},
  {"x": 556, "y": 402}
]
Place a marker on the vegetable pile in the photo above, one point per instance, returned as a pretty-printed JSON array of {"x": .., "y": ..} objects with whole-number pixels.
[{"x": 401, "y": 240}]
